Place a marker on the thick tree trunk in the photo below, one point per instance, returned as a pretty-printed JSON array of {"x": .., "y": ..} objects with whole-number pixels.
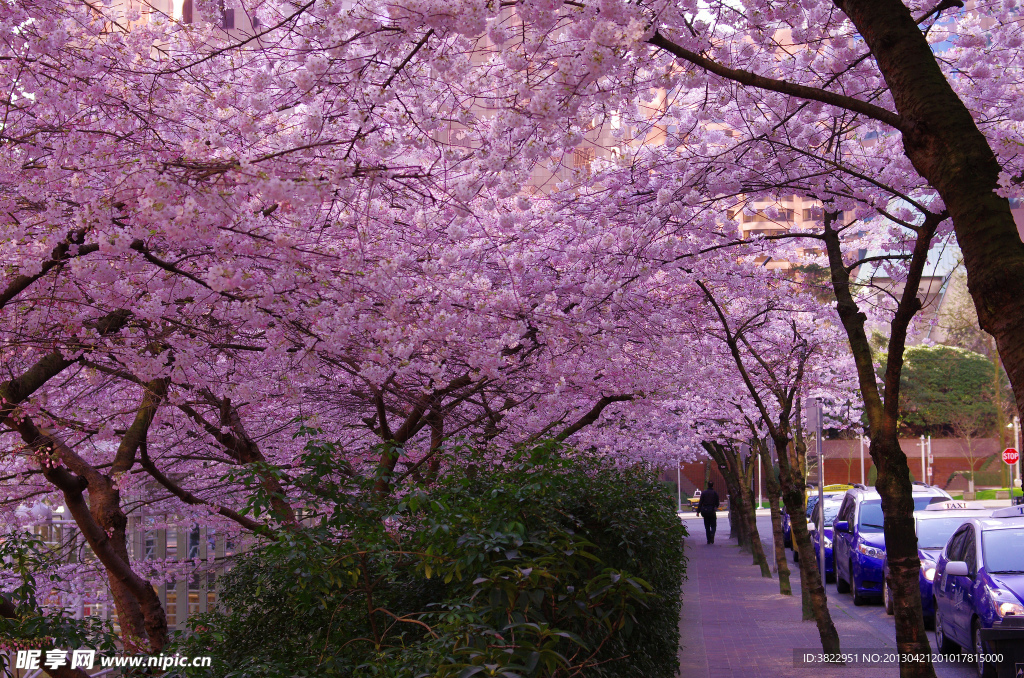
[
  {"x": 946, "y": 147},
  {"x": 793, "y": 497},
  {"x": 893, "y": 481},
  {"x": 737, "y": 524},
  {"x": 799, "y": 466},
  {"x": 774, "y": 491},
  {"x": 894, "y": 486},
  {"x": 742, "y": 519},
  {"x": 747, "y": 500}
]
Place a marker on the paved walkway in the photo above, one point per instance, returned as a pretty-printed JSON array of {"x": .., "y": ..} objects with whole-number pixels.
[{"x": 735, "y": 622}]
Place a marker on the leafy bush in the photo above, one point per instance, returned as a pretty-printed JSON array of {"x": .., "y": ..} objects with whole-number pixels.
[
  {"x": 556, "y": 563},
  {"x": 24, "y": 623}
]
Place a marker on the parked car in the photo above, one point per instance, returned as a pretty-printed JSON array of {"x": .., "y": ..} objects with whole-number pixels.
[
  {"x": 810, "y": 501},
  {"x": 832, "y": 506},
  {"x": 979, "y": 590},
  {"x": 934, "y": 526},
  {"x": 694, "y": 500},
  {"x": 859, "y": 544}
]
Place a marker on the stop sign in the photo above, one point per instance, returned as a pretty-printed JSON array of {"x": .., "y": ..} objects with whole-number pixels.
[{"x": 1010, "y": 455}]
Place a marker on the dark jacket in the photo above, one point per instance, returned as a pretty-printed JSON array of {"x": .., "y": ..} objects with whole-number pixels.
[{"x": 709, "y": 501}]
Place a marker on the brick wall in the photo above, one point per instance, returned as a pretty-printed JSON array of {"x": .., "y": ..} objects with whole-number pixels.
[{"x": 949, "y": 455}]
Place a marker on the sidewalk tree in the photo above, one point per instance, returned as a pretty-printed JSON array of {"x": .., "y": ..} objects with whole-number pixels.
[
  {"x": 738, "y": 469},
  {"x": 869, "y": 65},
  {"x": 202, "y": 249},
  {"x": 777, "y": 355},
  {"x": 328, "y": 219},
  {"x": 773, "y": 489}
]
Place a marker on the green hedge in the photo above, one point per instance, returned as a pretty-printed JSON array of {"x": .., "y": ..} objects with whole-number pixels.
[{"x": 558, "y": 562}]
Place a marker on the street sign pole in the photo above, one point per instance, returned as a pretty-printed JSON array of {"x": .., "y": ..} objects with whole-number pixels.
[
  {"x": 814, "y": 412},
  {"x": 931, "y": 463},
  {"x": 760, "y": 461},
  {"x": 862, "y": 481},
  {"x": 1012, "y": 457},
  {"x": 924, "y": 471},
  {"x": 679, "y": 487},
  {"x": 1020, "y": 468}
]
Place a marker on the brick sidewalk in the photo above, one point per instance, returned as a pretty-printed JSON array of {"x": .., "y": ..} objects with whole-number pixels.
[{"x": 735, "y": 623}]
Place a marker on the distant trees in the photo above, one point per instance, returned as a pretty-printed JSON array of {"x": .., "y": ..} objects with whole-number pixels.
[{"x": 950, "y": 391}]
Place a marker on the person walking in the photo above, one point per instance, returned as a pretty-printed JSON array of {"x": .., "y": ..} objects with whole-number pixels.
[{"x": 706, "y": 507}]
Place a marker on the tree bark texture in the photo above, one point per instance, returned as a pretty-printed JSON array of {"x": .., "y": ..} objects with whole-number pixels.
[
  {"x": 774, "y": 491},
  {"x": 742, "y": 519},
  {"x": 946, "y": 147},
  {"x": 893, "y": 482},
  {"x": 793, "y": 497}
]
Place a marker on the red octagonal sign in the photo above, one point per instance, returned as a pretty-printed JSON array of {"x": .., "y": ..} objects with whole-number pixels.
[{"x": 1010, "y": 455}]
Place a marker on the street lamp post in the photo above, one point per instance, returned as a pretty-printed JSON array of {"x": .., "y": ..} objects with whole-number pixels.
[
  {"x": 814, "y": 416},
  {"x": 924, "y": 455},
  {"x": 760, "y": 461},
  {"x": 679, "y": 487},
  {"x": 862, "y": 481},
  {"x": 931, "y": 463}
]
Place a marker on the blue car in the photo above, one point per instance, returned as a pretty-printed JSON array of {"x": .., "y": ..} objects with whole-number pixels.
[
  {"x": 859, "y": 544},
  {"x": 812, "y": 499},
  {"x": 832, "y": 506},
  {"x": 979, "y": 588},
  {"x": 934, "y": 526}
]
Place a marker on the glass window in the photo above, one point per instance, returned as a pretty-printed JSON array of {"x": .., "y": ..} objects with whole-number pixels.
[
  {"x": 871, "y": 516},
  {"x": 831, "y": 511},
  {"x": 211, "y": 591},
  {"x": 921, "y": 503},
  {"x": 1002, "y": 552},
  {"x": 193, "y": 543},
  {"x": 970, "y": 551},
  {"x": 847, "y": 510},
  {"x": 871, "y": 512},
  {"x": 955, "y": 550},
  {"x": 935, "y": 532},
  {"x": 171, "y": 606}
]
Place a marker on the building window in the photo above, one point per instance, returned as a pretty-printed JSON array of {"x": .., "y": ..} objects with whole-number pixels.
[
  {"x": 582, "y": 157},
  {"x": 193, "y": 543},
  {"x": 171, "y": 606}
]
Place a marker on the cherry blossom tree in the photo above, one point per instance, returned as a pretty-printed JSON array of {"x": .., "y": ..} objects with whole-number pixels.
[{"x": 334, "y": 220}]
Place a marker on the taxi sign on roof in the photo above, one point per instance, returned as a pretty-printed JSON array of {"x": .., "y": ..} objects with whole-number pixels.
[
  {"x": 1011, "y": 512},
  {"x": 949, "y": 506}
]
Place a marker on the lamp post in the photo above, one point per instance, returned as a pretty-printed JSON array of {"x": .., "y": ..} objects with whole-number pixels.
[
  {"x": 924, "y": 468},
  {"x": 814, "y": 416},
  {"x": 760, "y": 461},
  {"x": 679, "y": 487},
  {"x": 862, "y": 481},
  {"x": 931, "y": 463}
]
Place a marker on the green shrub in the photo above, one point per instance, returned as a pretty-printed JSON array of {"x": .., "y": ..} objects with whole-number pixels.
[
  {"x": 555, "y": 563},
  {"x": 26, "y": 624}
]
